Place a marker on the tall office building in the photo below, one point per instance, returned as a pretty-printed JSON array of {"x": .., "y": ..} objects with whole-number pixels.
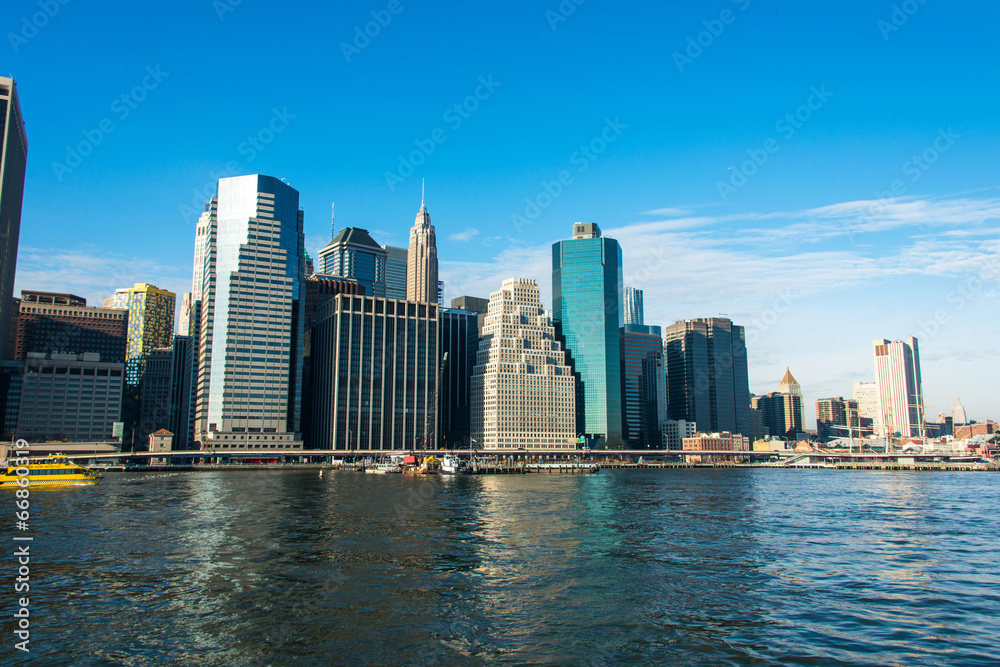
[
  {"x": 181, "y": 422},
  {"x": 156, "y": 383},
  {"x": 250, "y": 352},
  {"x": 645, "y": 386},
  {"x": 707, "y": 377},
  {"x": 375, "y": 366},
  {"x": 459, "y": 346},
  {"x": 13, "y": 161},
  {"x": 833, "y": 415},
  {"x": 788, "y": 384},
  {"x": 395, "y": 272},
  {"x": 781, "y": 413},
  {"x": 421, "y": 260},
  {"x": 633, "y": 306},
  {"x": 898, "y": 384},
  {"x": 355, "y": 255},
  {"x": 587, "y": 313},
  {"x": 63, "y": 323},
  {"x": 866, "y": 394},
  {"x": 188, "y": 321},
  {"x": 523, "y": 392},
  {"x": 150, "y": 326}
]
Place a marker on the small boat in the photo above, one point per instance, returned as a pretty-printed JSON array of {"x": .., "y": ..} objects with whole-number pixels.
[
  {"x": 452, "y": 465},
  {"x": 384, "y": 469},
  {"x": 56, "y": 470}
]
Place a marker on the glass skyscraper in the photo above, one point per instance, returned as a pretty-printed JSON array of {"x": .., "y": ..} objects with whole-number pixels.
[
  {"x": 645, "y": 386},
  {"x": 707, "y": 378},
  {"x": 250, "y": 352},
  {"x": 354, "y": 254},
  {"x": 587, "y": 312},
  {"x": 13, "y": 161}
]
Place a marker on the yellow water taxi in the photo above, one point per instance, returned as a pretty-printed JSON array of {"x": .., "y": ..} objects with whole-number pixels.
[{"x": 56, "y": 470}]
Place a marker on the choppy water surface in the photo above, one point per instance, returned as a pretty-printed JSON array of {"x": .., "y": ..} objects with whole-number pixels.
[{"x": 673, "y": 567}]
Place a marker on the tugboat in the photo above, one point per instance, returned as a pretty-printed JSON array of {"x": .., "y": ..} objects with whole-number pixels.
[{"x": 56, "y": 470}]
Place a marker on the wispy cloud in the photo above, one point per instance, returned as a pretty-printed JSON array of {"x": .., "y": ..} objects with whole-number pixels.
[
  {"x": 464, "y": 236},
  {"x": 93, "y": 272}
]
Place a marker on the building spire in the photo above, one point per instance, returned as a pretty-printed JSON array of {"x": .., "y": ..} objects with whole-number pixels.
[
  {"x": 421, "y": 193},
  {"x": 333, "y": 225}
]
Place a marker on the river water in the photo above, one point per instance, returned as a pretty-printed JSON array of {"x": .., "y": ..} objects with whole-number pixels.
[{"x": 686, "y": 567}]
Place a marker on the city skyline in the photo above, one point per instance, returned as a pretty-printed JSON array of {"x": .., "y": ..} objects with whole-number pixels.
[{"x": 874, "y": 217}]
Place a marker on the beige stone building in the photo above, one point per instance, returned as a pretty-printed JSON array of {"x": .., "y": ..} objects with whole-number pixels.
[{"x": 523, "y": 393}]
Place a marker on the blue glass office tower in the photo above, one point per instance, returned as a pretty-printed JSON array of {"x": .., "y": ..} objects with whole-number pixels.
[
  {"x": 354, "y": 254},
  {"x": 250, "y": 352},
  {"x": 587, "y": 313}
]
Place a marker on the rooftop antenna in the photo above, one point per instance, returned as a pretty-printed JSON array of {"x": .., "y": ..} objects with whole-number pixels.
[
  {"x": 421, "y": 192},
  {"x": 333, "y": 225}
]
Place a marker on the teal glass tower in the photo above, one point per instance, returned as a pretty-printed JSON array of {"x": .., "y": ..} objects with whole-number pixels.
[{"x": 587, "y": 313}]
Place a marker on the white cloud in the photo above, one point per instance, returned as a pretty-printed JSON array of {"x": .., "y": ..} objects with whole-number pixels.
[
  {"x": 464, "y": 236},
  {"x": 93, "y": 273}
]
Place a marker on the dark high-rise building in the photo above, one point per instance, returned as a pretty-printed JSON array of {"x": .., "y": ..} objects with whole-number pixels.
[
  {"x": 395, "y": 272},
  {"x": 459, "y": 341},
  {"x": 587, "y": 313},
  {"x": 707, "y": 378},
  {"x": 644, "y": 381},
  {"x": 375, "y": 366},
  {"x": 471, "y": 304},
  {"x": 182, "y": 392},
  {"x": 63, "y": 323},
  {"x": 319, "y": 290},
  {"x": 781, "y": 413},
  {"x": 13, "y": 162},
  {"x": 157, "y": 379}
]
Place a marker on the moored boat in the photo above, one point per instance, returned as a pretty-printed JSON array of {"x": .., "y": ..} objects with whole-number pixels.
[
  {"x": 452, "y": 465},
  {"x": 56, "y": 470}
]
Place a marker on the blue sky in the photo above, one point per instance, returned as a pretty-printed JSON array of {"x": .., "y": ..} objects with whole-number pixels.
[{"x": 824, "y": 174}]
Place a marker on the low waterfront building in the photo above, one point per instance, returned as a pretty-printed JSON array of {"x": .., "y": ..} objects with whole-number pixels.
[
  {"x": 523, "y": 392},
  {"x": 724, "y": 441},
  {"x": 675, "y": 431}
]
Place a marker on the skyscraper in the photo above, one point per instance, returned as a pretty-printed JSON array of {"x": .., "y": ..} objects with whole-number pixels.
[
  {"x": 421, "y": 260},
  {"x": 645, "y": 386},
  {"x": 460, "y": 342},
  {"x": 587, "y": 313},
  {"x": 250, "y": 352},
  {"x": 150, "y": 326},
  {"x": 375, "y": 368},
  {"x": 633, "y": 306},
  {"x": 898, "y": 384},
  {"x": 395, "y": 272},
  {"x": 354, "y": 254},
  {"x": 833, "y": 415},
  {"x": 707, "y": 377},
  {"x": 13, "y": 161},
  {"x": 788, "y": 384},
  {"x": 523, "y": 392}
]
